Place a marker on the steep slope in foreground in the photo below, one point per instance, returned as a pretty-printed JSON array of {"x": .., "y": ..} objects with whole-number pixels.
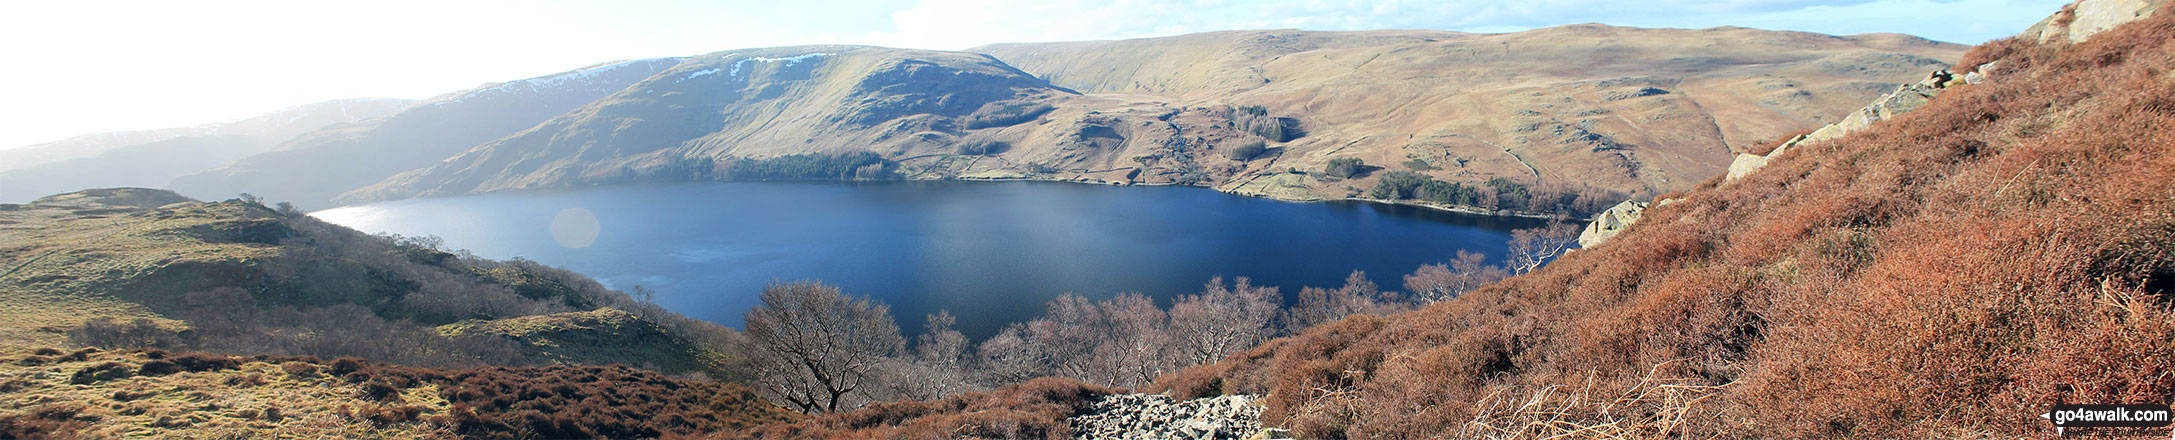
[
  {"x": 311, "y": 169},
  {"x": 272, "y": 127},
  {"x": 123, "y": 268},
  {"x": 49, "y": 393},
  {"x": 1625, "y": 109},
  {"x": 1948, "y": 273}
]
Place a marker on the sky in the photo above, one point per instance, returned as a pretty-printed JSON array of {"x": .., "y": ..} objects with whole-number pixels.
[{"x": 88, "y": 66}]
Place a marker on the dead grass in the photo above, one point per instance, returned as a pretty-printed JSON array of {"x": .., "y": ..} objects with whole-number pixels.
[
  {"x": 1036, "y": 409},
  {"x": 253, "y": 399},
  {"x": 152, "y": 393},
  {"x": 1655, "y": 407}
]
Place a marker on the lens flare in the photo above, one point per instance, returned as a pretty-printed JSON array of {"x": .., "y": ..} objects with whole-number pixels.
[{"x": 575, "y": 228}]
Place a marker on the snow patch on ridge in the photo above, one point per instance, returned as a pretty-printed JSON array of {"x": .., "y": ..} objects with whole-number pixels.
[
  {"x": 544, "y": 82},
  {"x": 787, "y": 60}
]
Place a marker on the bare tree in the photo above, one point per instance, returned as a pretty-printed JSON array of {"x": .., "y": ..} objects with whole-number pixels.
[
  {"x": 813, "y": 346},
  {"x": 1358, "y": 296},
  {"x": 1008, "y": 357},
  {"x": 939, "y": 345},
  {"x": 1067, "y": 335},
  {"x": 1532, "y": 247},
  {"x": 1135, "y": 342},
  {"x": 1443, "y": 282},
  {"x": 933, "y": 370},
  {"x": 1220, "y": 321}
]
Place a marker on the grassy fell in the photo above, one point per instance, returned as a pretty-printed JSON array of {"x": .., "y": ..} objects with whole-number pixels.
[
  {"x": 126, "y": 268},
  {"x": 602, "y": 336},
  {"x": 76, "y": 256}
]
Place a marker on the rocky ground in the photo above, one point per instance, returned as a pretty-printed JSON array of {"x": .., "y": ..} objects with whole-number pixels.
[{"x": 1154, "y": 416}]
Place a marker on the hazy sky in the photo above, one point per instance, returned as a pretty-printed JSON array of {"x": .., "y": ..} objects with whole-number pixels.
[{"x": 83, "y": 66}]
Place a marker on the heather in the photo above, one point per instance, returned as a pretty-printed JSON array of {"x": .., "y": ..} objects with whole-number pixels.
[{"x": 1948, "y": 273}]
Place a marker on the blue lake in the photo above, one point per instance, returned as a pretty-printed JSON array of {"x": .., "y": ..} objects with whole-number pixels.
[{"x": 990, "y": 252}]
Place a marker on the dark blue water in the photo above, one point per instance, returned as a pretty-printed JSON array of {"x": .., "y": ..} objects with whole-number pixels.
[{"x": 991, "y": 253}]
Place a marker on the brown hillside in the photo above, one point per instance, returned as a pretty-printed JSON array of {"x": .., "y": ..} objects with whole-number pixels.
[
  {"x": 1623, "y": 108},
  {"x": 1948, "y": 273},
  {"x": 89, "y": 393},
  {"x": 1034, "y": 409}
]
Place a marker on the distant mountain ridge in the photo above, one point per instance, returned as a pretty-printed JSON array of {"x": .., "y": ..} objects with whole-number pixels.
[
  {"x": 1628, "y": 109},
  {"x": 1634, "y": 110},
  {"x": 1639, "y": 110},
  {"x": 693, "y": 121},
  {"x": 276, "y": 126},
  {"x": 144, "y": 165},
  {"x": 1579, "y": 111},
  {"x": 311, "y": 169}
]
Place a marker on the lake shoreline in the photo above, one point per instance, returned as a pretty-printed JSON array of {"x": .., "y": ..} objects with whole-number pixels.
[
  {"x": 1466, "y": 210},
  {"x": 1470, "y": 210}
]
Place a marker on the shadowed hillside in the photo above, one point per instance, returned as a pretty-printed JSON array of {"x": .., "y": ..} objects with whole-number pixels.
[{"x": 311, "y": 169}]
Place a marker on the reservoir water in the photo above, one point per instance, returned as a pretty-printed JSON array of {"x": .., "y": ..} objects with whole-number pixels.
[{"x": 990, "y": 252}]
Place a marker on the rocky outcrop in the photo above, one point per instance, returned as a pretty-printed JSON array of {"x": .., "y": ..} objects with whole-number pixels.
[
  {"x": 1155, "y": 416},
  {"x": 2074, "y": 23},
  {"x": 1610, "y": 222},
  {"x": 2082, "y": 19},
  {"x": 1904, "y": 99}
]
